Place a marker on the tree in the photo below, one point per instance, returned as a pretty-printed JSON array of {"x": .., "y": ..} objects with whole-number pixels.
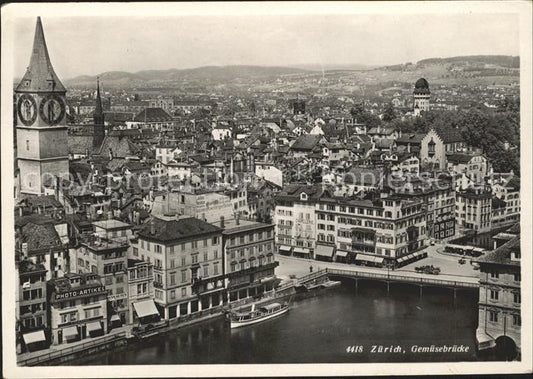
[{"x": 389, "y": 113}]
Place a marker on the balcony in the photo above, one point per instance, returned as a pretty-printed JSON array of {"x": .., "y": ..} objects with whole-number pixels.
[
  {"x": 158, "y": 285},
  {"x": 252, "y": 270}
]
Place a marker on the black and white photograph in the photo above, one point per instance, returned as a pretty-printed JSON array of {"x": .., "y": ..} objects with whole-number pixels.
[{"x": 300, "y": 188}]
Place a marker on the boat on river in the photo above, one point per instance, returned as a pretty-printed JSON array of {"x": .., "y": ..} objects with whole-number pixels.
[{"x": 262, "y": 313}]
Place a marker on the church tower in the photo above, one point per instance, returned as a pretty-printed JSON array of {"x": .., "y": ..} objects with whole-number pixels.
[
  {"x": 42, "y": 150},
  {"x": 98, "y": 118},
  {"x": 421, "y": 96}
]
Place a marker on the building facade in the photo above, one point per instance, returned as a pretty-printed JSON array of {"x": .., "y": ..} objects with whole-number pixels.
[
  {"x": 249, "y": 258},
  {"x": 140, "y": 285},
  {"x": 473, "y": 210},
  {"x": 77, "y": 307},
  {"x": 499, "y": 323},
  {"x": 188, "y": 264},
  {"x": 107, "y": 259}
]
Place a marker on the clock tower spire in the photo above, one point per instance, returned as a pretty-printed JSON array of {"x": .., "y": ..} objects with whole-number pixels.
[{"x": 42, "y": 150}]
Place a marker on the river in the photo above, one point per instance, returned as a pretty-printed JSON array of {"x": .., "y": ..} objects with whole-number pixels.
[{"x": 321, "y": 329}]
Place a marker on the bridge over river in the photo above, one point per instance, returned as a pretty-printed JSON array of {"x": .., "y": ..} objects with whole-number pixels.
[{"x": 407, "y": 277}]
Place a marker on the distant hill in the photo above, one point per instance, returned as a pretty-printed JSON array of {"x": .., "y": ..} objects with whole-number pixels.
[
  {"x": 215, "y": 73},
  {"x": 497, "y": 60}
]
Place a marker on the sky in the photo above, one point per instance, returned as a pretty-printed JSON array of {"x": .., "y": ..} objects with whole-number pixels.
[{"x": 92, "y": 45}]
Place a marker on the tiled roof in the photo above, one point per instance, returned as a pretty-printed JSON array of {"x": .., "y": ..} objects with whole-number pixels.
[
  {"x": 40, "y": 75},
  {"x": 153, "y": 115},
  {"x": 173, "y": 230},
  {"x": 459, "y": 158},
  {"x": 306, "y": 142},
  {"x": 40, "y": 236},
  {"x": 449, "y": 135},
  {"x": 43, "y": 201},
  {"x": 502, "y": 255},
  {"x": 410, "y": 138},
  {"x": 80, "y": 144},
  {"x": 119, "y": 146},
  {"x": 384, "y": 143}
]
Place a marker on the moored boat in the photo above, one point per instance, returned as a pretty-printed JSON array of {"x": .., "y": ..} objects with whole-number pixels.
[{"x": 263, "y": 313}]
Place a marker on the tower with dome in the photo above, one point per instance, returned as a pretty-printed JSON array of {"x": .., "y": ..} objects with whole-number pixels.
[{"x": 421, "y": 96}]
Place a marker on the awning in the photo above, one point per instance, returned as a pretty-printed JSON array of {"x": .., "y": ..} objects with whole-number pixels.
[
  {"x": 401, "y": 259},
  {"x": 378, "y": 259},
  {"x": 71, "y": 331},
  {"x": 367, "y": 258},
  {"x": 341, "y": 253},
  {"x": 94, "y": 326},
  {"x": 410, "y": 256},
  {"x": 299, "y": 250},
  {"x": 116, "y": 318},
  {"x": 324, "y": 250},
  {"x": 145, "y": 308},
  {"x": 34, "y": 337},
  {"x": 285, "y": 248},
  {"x": 363, "y": 230}
]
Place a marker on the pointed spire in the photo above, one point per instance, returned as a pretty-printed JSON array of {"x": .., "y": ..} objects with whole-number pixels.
[
  {"x": 40, "y": 75},
  {"x": 99, "y": 109}
]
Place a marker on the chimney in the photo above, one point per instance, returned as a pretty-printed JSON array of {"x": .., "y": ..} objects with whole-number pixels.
[
  {"x": 152, "y": 227},
  {"x": 222, "y": 225},
  {"x": 237, "y": 221}
]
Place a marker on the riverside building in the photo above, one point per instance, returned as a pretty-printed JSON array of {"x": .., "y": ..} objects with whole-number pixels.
[
  {"x": 77, "y": 307},
  {"x": 188, "y": 264},
  {"x": 249, "y": 257},
  {"x": 108, "y": 259},
  {"x": 500, "y": 320},
  {"x": 380, "y": 232}
]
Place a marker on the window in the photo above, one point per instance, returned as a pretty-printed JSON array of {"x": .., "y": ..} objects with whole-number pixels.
[
  {"x": 206, "y": 271},
  {"x": 172, "y": 278},
  {"x": 194, "y": 258},
  {"x": 135, "y": 252},
  {"x": 172, "y": 263},
  {"x": 183, "y": 261},
  {"x": 517, "y": 320},
  {"x": 494, "y": 295},
  {"x": 494, "y": 274},
  {"x": 206, "y": 256},
  {"x": 205, "y": 243},
  {"x": 517, "y": 277},
  {"x": 119, "y": 278},
  {"x": 215, "y": 241},
  {"x": 493, "y": 316},
  {"x": 27, "y": 144},
  {"x": 184, "y": 292},
  {"x": 183, "y": 276},
  {"x": 173, "y": 294},
  {"x": 215, "y": 268},
  {"x": 516, "y": 298}
]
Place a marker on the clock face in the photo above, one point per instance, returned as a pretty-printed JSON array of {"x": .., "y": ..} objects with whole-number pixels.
[
  {"x": 52, "y": 109},
  {"x": 27, "y": 109}
]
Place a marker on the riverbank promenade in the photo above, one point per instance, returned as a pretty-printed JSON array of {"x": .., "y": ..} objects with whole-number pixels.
[{"x": 451, "y": 270}]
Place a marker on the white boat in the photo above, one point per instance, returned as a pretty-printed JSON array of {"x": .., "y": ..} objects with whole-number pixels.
[
  {"x": 263, "y": 313},
  {"x": 331, "y": 283}
]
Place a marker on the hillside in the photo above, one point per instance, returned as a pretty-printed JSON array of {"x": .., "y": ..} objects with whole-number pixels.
[{"x": 210, "y": 73}]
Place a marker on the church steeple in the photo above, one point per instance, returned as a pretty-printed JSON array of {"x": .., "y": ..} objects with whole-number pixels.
[
  {"x": 40, "y": 75},
  {"x": 98, "y": 115}
]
